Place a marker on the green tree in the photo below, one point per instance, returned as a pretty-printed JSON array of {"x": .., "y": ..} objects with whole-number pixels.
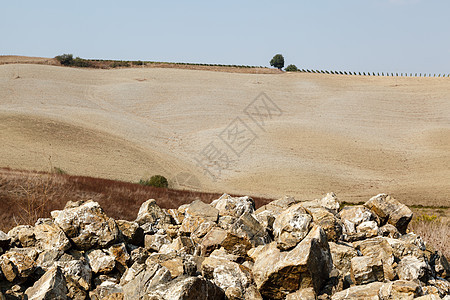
[
  {"x": 291, "y": 68},
  {"x": 277, "y": 61}
]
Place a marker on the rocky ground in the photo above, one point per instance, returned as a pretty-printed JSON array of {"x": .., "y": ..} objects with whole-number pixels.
[{"x": 287, "y": 249}]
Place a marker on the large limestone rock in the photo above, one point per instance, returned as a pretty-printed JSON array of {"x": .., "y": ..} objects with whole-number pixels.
[
  {"x": 49, "y": 236},
  {"x": 352, "y": 216},
  {"x": 302, "y": 294},
  {"x": 51, "y": 285},
  {"x": 278, "y": 273},
  {"x": 100, "y": 261},
  {"x": 86, "y": 225},
  {"x": 78, "y": 275},
  {"x": 412, "y": 268},
  {"x": 16, "y": 266},
  {"x": 400, "y": 289},
  {"x": 234, "y": 206},
  {"x": 330, "y": 202},
  {"x": 107, "y": 290},
  {"x": 248, "y": 227},
  {"x": 365, "y": 269},
  {"x": 219, "y": 237},
  {"x": 291, "y": 226},
  {"x": 278, "y": 206},
  {"x": 151, "y": 217},
  {"x": 360, "y": 292},
  {"x": 329, "y": 223},
  {"x": 227, "y": 274},
  {"x": 202, "y": 210},
  {"x": 378, "y": 248},
  {"x": 390, "y": 211},
  {"x": 342, "y": 255},
  {"x": 22, "y": 236},
  {"x": 131, "y": 232},
  {"x": 187, "y": 288},
  {"x": 140, "y": 279}
]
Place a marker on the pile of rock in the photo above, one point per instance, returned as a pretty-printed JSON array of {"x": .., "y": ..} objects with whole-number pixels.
[{"x": 286, "y": 249}]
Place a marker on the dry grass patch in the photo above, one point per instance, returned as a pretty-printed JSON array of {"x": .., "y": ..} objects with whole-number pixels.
[
  {"x": 434, "y": 231},
  {"x": 26, "y": 196}
]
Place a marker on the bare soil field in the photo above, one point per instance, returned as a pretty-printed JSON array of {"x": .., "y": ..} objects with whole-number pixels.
[{"x": 354, "y": 135}]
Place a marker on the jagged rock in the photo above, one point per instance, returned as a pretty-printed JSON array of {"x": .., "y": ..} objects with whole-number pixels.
[
  {"x": 227, "y": 274},
  {"x": 156, "y": 241},
  {"x": 139, "y": 255},
  {"x": 247, "y": 227},
  {"x": 234, "y": 206},
  {"x": 218, "y": 237},
  {"x": 266, "y": 218},
  {"x": 342, "y": 255},
  {"x": 202, "y": 210},
  {"x": 4, "y": 240},
  {"x": 278, "y": 206},
  {"x": 22, "y": 236},
  {"x": 16, "y": 266},
  {"x": 120, "y": 254},
  {"x": 369, "y": 228},
  {"x": 78, "y": 276},
  {"x": 176, "y": 215},
  {"x": 47, "y": 258},
  {"x": 389, "y": 230},
  {"x": 140, "y": 279},
  {"x": 51, "y": 285},
  {"x": 414, "y": 239},
  {"x": 100, "y": 261},
  {"x": 412, "y": 268},
  {"x": 442, "y": 286},
  {"x": 330, "y": 202},
  {"x": 151, "y": 217},
  {"x": 106, "y": 289},
  {"x": 378, "y": 248},
  {"x": 221, "y": 253},
  {"x": 198, "y": 234},
  {"x": 400, "y": 289},
  {"x": 291, "y": 226},
  {"x": 329, "y": 223},
  {"x": 404, "y": 248},
  {"x": 175, "y": 266},
  {"x": 365, "y": 269},
  {"x": 86, "y": 225},
  {"x": 49, "y": 236},
  {"x": 182, "y": 244},
  {"x": 360, "y": 292},
  {"x": 303, "y": 294},
  {"x": 352, "y": 216},
  {"x": 441, "y": 265},
  {"x": 187, "y": 288},
  {"x": 390, "y": 211},
  {"x": 278, "y": 273},
  {"x": 131, "y": 232}
]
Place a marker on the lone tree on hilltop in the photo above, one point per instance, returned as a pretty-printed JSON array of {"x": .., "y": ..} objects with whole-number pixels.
[{"x": 277, "y": 61}]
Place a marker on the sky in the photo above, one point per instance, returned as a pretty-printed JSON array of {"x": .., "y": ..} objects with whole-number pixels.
[{"x": 404, "y": 36}]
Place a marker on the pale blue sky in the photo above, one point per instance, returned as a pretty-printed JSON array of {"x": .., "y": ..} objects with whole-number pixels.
[{"x": 355, "y": 35}]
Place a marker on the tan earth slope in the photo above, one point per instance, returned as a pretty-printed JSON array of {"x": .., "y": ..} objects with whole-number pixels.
[{"x": 354, "y": 135}]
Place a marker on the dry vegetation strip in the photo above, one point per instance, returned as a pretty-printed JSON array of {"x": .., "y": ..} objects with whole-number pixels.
[{"x": 26, "y": 196}]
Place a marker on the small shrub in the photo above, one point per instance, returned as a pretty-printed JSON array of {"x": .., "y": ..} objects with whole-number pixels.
[
  {"x": 65, "y": 59},
  {"x": 291, "y": 68},
  {"x": 155, "y": 181},
  {"x": 138, "y": 63}
]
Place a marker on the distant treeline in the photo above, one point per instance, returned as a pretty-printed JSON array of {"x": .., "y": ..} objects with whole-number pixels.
[
  {"x": 69, "y": 60},
  {"x": 373, "y": 73}
]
